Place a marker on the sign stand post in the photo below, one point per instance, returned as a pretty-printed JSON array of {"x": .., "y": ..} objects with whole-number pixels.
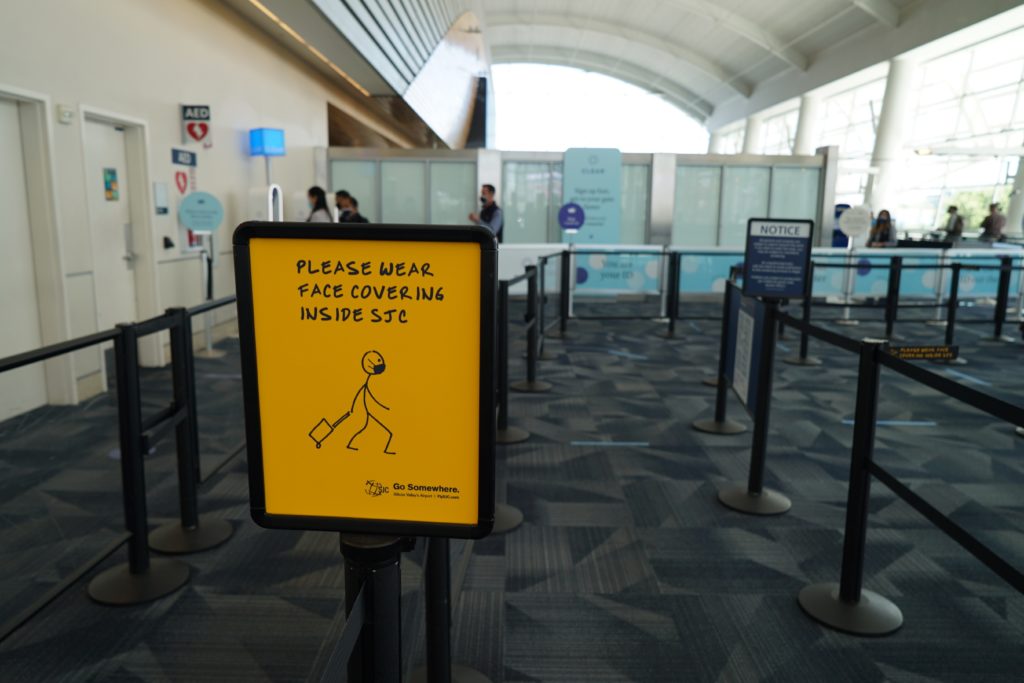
[
  {"x": 372, "y": 571},
  {"x": 753, "y": 498},
  {"x": 720, "y": 424}
]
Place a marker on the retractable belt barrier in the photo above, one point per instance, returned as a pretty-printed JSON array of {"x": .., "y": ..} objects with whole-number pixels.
[{"x": 144, "y": 578}]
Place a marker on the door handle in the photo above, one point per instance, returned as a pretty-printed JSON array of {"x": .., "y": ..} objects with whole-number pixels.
[{"x": 129, "y": 253}]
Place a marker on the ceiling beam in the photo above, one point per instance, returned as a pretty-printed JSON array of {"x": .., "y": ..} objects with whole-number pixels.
[
  {"x": 882, "y": 11},
  {"x": 742, "y": 26},
  {"x": 624, "y": 70},
  {"x": 710, "y": 68}
]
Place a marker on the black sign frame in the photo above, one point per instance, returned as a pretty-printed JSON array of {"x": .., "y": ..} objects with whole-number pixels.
[{"x": 488, "y": 372}]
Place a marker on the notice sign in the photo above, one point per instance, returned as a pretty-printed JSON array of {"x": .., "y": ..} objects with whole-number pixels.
[
  {"x": 777, "y": 258},
  {"x": 924, "y": 352},
  {"x": 368, "y": 363}
]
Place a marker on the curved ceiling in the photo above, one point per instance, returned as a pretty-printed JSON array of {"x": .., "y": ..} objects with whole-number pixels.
[{"x": 696, "y": 53}]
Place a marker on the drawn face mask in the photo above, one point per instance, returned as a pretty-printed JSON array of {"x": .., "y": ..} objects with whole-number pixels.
[{"x": 379, "y": 368}]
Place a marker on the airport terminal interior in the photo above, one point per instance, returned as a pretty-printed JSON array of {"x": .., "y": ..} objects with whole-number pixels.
[{"x": 512, "y": 340}]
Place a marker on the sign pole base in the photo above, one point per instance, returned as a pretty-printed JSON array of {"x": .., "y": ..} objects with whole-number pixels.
[
  {"x": 847, "y": 321},
  {"x": 872, "y": 615},
  {"x": 118, "y": 586},
  {"x": 809, "y": 361},
  {"x": 506, "y": 518},
  {"x": 528, "y": 387},
  {"x": 724, "y": 427},
  {"x": 710, "y": 381},
  {"x": 175, "y": 539},
  {"x": 511, "y": 435},
  {"x": 766, "y": 503}
]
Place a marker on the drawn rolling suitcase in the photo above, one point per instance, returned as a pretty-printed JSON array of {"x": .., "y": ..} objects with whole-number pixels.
[{"x": 324, "y": 429}]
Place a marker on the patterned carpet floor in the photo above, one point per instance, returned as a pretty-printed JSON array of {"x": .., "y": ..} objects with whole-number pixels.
[{"x": 626, "y": 567}]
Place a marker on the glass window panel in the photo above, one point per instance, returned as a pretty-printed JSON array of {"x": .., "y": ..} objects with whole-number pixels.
[
  {"x": 527, "y": 201},
  {"x": 636, "y": 184},
  {"x": 744, "y": 196},
  {"x": 404, "y": 191},
  {"x": 453, "y": 192},
  {"x": 794, "y": 193},
  {"x": 360, "y": 179},
  {"x": 695, "y": 218}
]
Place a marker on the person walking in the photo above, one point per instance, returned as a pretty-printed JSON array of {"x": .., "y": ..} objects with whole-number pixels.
[
  {"x": 954, "y": 225},
  {"x": 342, "y": 201},
  {"x": 353, "y": 215},
  {"x": 992, "y": 226},
  {"x": 318, "y": 212},
  {"x": 490, "y": 216}
]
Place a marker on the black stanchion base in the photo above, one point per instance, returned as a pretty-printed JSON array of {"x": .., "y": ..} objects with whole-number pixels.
[
  {"x": 118, "y": 586},
  {"x": 527, "y": 387},
  {"x": 665, "y": 334},
  {"x": 766, "y": 503},
  {"x": 710, "y": 381},
  {"x": 1001, "y": 339},
  {"x": 1020, "y": 431},
  {"x": 511, "y": 435},
  {"x": 807, "y": 360},
  {"x": 935, "y": 323},
  {"x": 847, "y": 322},
  {"x": 724, "y": 427},
  {"x": 506, "y": 518},
  {"x": 174, "y": 539},
  {"x": 872, "y": 615},
  {"x": 952, "y": 361}
]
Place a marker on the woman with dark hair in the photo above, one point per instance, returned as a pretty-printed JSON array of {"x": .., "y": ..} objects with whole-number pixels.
[
  {"x": 318, "y": 212},
  {"x": 883, "y": 233}
]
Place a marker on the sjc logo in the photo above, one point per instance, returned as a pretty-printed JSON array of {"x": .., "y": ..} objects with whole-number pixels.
[{"x": 374, "y": 488}]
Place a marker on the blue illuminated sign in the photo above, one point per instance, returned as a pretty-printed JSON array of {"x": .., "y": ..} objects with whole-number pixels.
[{"x": 266, "y": 142}]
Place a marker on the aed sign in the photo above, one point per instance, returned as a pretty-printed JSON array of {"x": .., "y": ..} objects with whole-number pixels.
[
  {"x": 777, "y": 259},
  {"x": 195, "y": 123},
  {"x": 368, "y": 363}
]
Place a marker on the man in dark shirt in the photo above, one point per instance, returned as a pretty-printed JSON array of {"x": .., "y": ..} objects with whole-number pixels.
[
  {"x": 490, "y": 213},
  {"x": 342, "y": 199},
  {"x": 354, "y": 216},
  {"x": 992, "y": 226}
]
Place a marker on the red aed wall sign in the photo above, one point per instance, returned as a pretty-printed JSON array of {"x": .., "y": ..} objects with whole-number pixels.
[{"x": 195, "y": 124}]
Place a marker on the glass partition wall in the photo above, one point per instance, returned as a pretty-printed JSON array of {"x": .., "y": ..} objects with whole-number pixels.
[{"x": 706, "y": 204}]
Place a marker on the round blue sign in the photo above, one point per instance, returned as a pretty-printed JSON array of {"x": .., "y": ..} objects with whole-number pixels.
[
  {"x": 570, "y": 216},
  {"x": 201, "y": 212}
]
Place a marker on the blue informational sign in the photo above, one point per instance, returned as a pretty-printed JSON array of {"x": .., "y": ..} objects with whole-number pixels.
[
  {"x": 571, "y": 217},
  {"x": 591, "y": 179},
  {"x": 201, "y": 212},
  {"x": 777, "y": 258},
  {"x": 600, "y": 273},
  {"x": 743, "y": 345},
  {"x": 266, "y": 142},
  {"x": 183, "y": 157}
]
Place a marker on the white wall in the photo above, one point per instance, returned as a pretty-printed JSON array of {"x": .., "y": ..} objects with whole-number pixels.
[{"x": 141, "y": 60}]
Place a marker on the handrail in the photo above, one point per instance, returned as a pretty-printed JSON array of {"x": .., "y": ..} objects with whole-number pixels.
[
  {"x": 60, "y": 348},
  {"x": 520, "y": 278},
  {"x": 212, "y": 304}
]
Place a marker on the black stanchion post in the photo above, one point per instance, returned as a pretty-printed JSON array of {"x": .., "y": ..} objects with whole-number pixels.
[
  {"x": 563, "y": 295},
  {"x": 754, "y": 499},
  {"x": 542, "y": 305},
  {"x": 438, "y": 596},
  {"x": 672, "y": 295},
  {"x": 892, "y": 295},
  {"x": 1002, "y": 299},
  {"x": 805, "y": 316},
  {"x": 372, "y": 565},
  {"x": 506, "y": 434},
  {"x": 143, "y": 578},
  {"x": 952, "y": 306},
  {"x": 720, "y": 424},
  {"x": 532, "y": 384},
  {"x": 193, "y": 533},
  {"x": 847, "y": 606}
]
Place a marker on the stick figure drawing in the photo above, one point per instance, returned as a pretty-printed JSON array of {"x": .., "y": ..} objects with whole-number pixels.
[{"x": 372, "y": 365}]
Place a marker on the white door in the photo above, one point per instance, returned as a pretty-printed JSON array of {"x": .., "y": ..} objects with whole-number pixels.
[
  {"x": 25, "y": 388},
  {"x": 106, "y": 171}
]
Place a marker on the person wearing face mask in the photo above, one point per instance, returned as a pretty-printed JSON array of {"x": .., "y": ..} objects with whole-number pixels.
[
  {"x": 342, "y": 201},
  {"x": 318, "y": 212},
  {"x": 490, "y": 213}
]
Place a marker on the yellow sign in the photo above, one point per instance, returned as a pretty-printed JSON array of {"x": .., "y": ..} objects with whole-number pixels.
[{"x": 368, "y": 373}]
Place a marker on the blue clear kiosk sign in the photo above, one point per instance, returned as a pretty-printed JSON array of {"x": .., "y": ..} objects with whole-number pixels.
[
  {"x": 571, "y": 216},
  {"x": 201, "y": 212},
  {"x": 777, "y": 259}
]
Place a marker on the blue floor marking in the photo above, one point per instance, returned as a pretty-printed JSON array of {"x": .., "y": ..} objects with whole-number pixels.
[
  {"x": 627, "y": 354},
  {"x": 967, "y": 378},
  {"x": 618, "y": 444},
  {"x": 694, "y": 326},
  {"x": 782, "y": 346},
  {"x": 900, "y": 423}
]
